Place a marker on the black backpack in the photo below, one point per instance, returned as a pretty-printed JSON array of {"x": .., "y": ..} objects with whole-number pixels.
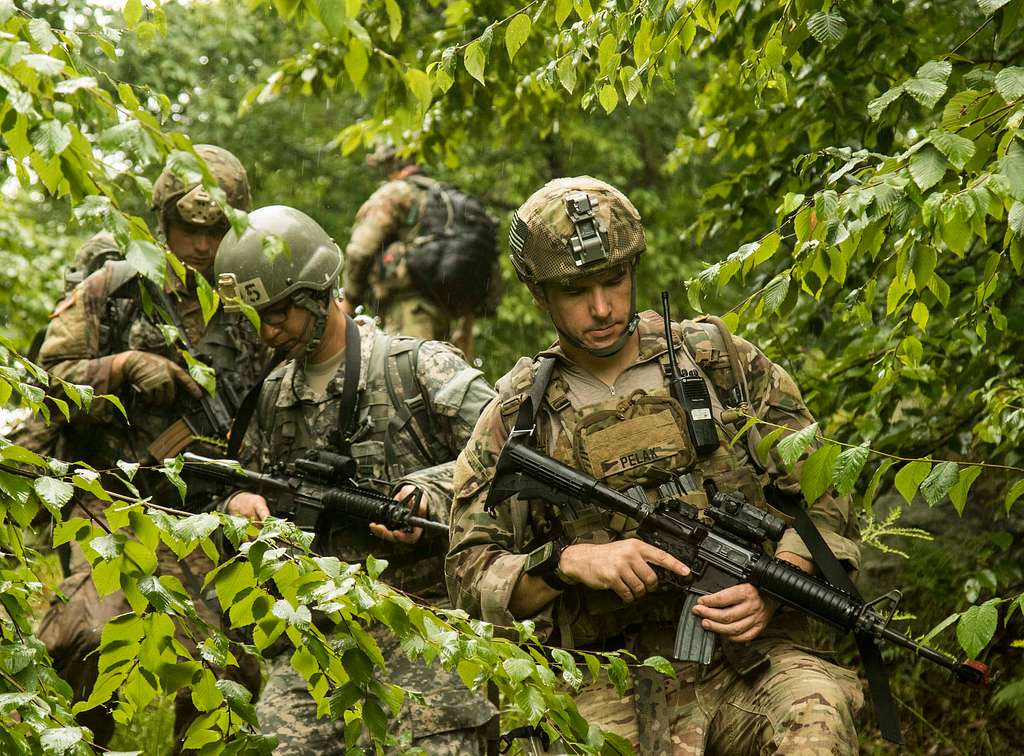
[{"x": 453, "y": 258}]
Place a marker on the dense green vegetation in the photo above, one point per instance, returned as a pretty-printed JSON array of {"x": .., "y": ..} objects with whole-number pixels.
[{"x": 845, "y": 181}]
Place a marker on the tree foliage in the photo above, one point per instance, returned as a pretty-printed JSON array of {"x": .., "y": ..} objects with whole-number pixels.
[{"x": 844, "y": 181}]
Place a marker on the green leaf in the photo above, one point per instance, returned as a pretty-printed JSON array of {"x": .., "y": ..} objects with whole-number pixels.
[
  {"x": 60, "y": 739},
  {"x": 566, "y": 70},
  {"x": 420, "y": 86},
  {"x": 1015, "y": 218},
  {"x": 988, "y": 7},
  {"x": 147, "y": 259},
  {"x": 562, "y": 10},
  {"x": 51, "y": 138},
  {"x": 475, "y": 59},
  {"x": 40, "y": 32},
  {"x": 940, "y": 480},
  {"x": 44, "y": 64},
  {"x": 519, "y": 669},
  {"x": 765, "y": 444},
  {"x": 791, "y": 447},
  {"x": 956, "y": 148},
  {"x": 846, "y": 469},
  {"x": 53, "y": 493},
  {"x": 958, "y": 493},
  {"x": 356, "y": 61},
  {"x": 660, "y": 664},
  {"x": 935, "y": 70},
  {"x": 1010, "y": 83},
  {"x": 775, "y": 293},
  {"x": 394, "y": 19},
  {"x": 828, "y": 28},
  {"x": 132, "y": 13},
  {"x": 816, "y": 473},
  {"x": 609, "y": 97},
  {"x": 878, "y": 105},
  {"x": 976, "y": 627},
  {"x": 925, "y": 91},
  {"x": 1015, "y": 492},
  {"x": 299, "y": 617},
  {"x": 910, "y": 477},
  {"x": 927, "y": 167},
  {"x": 516, "y": 32}
]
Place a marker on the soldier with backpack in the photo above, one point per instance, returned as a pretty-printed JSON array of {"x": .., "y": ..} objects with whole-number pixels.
[
  {"x": 401, "y": 408},
  {"x": 423, "y": 255}
]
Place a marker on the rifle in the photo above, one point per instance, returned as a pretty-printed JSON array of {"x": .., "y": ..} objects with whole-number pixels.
[
  {"x": 722, "y": 546},
  {"x": 312, "y": 493},
  {"x": 209, "y": 415}
]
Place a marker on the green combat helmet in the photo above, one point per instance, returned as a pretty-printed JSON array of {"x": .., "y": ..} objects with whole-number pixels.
[
  {"x": 193, "y": 203},
  {"x": 90, "y": 257},
  {"x": 283, "y": 254},
  {"x": 572, "y": 228}
]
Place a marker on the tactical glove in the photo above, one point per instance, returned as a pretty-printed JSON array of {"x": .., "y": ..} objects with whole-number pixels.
[{"x": 157, "y": 377}]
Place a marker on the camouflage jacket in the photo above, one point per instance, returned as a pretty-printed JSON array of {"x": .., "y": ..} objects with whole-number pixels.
[
  {"x": 386, "y": 440},
  {"x": 102, "y": 317},
  {"x": 488, "y": 554},
  {"x": 375, "y": 255}
]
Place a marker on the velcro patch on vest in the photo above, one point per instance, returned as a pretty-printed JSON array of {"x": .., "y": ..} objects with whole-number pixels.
[{"x": 636, "y": 442}]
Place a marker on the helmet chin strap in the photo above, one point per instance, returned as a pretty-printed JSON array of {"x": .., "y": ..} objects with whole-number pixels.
[
  {"x": 318, "y": 307},
  {"x": 619, "y": 343}
]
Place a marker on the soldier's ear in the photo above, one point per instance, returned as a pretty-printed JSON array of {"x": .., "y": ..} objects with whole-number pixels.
[{"x": 537, "y": 291}]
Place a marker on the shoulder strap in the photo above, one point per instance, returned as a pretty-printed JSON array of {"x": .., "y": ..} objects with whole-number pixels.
[
  {"x": 350, "y": 391},
  {"x": 412, "y": 408},
  {"x": 247, "y": 408},
  {"x": 741, "y": 393},
  {"x": 526, "y": 420}
]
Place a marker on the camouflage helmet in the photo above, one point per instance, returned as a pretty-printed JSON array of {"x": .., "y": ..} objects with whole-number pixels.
[
  {"x": 574, "y": 227},
  {"x": 90, "y": 257},
  {"x": 193, "y": 202},
  {"x": 282, "y": 252}
]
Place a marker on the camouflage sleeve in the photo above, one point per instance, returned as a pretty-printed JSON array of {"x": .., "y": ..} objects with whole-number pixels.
[
  {"x": 775, "y": 398},
  {"x": 487, "y": 552},
  {"x": 71, "y": 349},
  {"x": 436, "y": 484},
  {"x": 378, "y": 223},
  {"x": 458, "y": 393}
]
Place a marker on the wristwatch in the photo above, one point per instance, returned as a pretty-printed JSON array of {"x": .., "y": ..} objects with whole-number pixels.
[{"x": 543, "y": 562}]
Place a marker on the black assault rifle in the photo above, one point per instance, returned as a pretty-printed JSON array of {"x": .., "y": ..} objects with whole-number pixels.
[
  {"x": 312, "y": 492},
  {"x": 209, "y": 415},
  {"x": 722, "y": 549}
]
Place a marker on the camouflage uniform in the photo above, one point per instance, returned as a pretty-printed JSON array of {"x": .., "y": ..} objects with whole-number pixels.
[
  {"x": 388, "y": 445},
  {"x": 375, "y": 271},
  {"x": 803, "y": 703},
  {"x": 102, "y": 317}
]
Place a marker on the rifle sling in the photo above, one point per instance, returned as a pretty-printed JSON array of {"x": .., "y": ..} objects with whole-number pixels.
[
  {"x": 833, "y": 571},
  {"x": 527, "y": 417},
  {"x": 350, "y": 391},
  {"x": 247, "y": 407}
]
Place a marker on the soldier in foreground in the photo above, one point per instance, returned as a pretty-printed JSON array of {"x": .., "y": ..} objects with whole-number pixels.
[
  {"x": 580, "y": 575},
  {"x": 395, "y": 405},
  {"x": 422, "y": 254},
  {"x": 101, "y": 336}
]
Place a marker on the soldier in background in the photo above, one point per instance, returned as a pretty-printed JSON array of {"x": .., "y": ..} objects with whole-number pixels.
[
  {"x": 422, "y": 255},
  {"x": 401, "y": 408},
  {"x": 582, "y": 576},
  {"x": 100, "y": 335}
]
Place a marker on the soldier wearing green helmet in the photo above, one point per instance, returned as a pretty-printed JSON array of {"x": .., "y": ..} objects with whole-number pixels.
[
  {"x": 101, "y": 335},
  {"x": 601, "y": 404},
  {"x": 401, "y": 408}
]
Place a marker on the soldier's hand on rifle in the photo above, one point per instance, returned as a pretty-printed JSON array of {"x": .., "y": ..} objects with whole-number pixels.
[
  {"x": 739, "y": 612},
  {"x": 247, "y": 504},
  {"x": 157, "y": 378},
  {"x": 742, "y": 612},
  {"x": 620, "y": 566},
  {"x": 403, "y": 536}
]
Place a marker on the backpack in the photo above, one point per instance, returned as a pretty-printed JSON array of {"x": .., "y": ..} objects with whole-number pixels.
[{"x": 453, "y": 258}]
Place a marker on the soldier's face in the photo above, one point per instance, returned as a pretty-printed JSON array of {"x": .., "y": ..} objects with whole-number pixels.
[
  {"x": 285, "y": 326},
  {"x": 195, "y": 245},
  {"x": 593, "y": 310}
]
